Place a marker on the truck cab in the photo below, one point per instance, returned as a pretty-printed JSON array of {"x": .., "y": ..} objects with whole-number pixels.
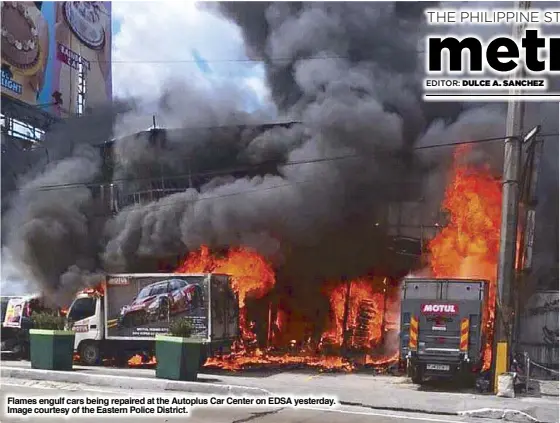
[
  {"x": 441, "y": 327},
  {"x": 85, "y": 318}
]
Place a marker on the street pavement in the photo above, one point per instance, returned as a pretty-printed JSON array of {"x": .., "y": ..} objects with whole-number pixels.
[{"x": 344, "y": 414}]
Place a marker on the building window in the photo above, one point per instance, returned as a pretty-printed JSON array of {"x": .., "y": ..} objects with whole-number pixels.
[{"x": 18, "y": 129}]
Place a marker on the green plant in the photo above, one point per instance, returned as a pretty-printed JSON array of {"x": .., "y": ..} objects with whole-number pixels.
[
  {"x": 48, "y": 321},
  {"x": 182, "y": 328}
]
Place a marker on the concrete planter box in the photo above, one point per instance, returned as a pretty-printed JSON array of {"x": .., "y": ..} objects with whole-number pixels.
[
  {"x": 51, "y": 349},
  {"x": 178, "y": 358}
]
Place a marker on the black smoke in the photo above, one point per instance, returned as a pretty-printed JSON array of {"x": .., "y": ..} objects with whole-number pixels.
[
  {"x": 349, "y": 73},
  {"x": 51, "y": 222},
  {"x": 345, "y": 75}
]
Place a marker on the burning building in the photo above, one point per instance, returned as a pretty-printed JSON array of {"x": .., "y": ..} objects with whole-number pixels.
[{"x": 316, "y": 219}]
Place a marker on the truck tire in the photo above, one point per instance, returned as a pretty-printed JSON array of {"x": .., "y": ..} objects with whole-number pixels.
[
  {"x": 90, "y": 354},
  {"x": 414, "y": 372},
  {"x": 417, "y": 377},
  {"x": 467, "y": 379}
]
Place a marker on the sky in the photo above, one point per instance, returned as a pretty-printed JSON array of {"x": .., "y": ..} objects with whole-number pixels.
[{"x": 154, "y": 42}]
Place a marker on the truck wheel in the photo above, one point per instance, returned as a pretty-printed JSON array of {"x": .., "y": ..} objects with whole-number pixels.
[
  {"x": 416, "y": 375},
  {"x": 90, "y": 354},
  {"x": 467, "y": 379}
]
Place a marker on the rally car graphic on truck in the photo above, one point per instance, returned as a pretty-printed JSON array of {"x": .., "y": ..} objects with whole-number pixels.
[{"x": 159, "y": 300}]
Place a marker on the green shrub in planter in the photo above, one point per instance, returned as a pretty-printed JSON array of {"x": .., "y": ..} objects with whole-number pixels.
[
  {"x": 52, "y": 347},
  {"x": 178, "y": 354}
]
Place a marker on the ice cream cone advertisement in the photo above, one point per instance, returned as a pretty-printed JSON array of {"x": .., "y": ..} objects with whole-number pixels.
[{"x": 57, "y": 55}]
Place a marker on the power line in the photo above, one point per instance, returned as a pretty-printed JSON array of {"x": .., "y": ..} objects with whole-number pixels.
[
  {"x": 159, "y": 206},
  {"x": 222, "y": 196},
  {"x": 229, "y": 171},
  {"x": 232, "y": 60}
]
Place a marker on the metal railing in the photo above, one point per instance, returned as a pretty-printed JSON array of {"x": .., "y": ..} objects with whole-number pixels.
[{"x": 528, "y": 363}]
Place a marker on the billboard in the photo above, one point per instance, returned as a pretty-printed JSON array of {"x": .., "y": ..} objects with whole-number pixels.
[
  {"x": 14, "y": 313},
  {"x": 44, "y": 47},
  {"x": 141, "y": 306}
]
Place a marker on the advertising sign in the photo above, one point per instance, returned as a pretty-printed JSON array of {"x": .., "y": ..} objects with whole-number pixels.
[
  {"x": 14, "y": 313},
  {"x": 46, "y": 44},
  {"x": 142, "y": 306}
]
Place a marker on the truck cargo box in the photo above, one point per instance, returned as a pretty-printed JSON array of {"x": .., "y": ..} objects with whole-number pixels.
[
  {"x": 141, "y": 306},
  {"x": 441, "y": 325}
]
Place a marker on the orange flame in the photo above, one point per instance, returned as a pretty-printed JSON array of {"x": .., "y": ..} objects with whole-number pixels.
[
  {"x": 364, "y": 315},
  {"x": 138, "y": 360},
  {"x": 468, "y": 246},
  {"x": 96, "y": 290},
  {"x": 253, "y": 277},
  {"x": 251, "y": 274}
]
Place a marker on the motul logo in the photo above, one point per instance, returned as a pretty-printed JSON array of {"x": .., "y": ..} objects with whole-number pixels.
[{"x": 440, "y": 309}]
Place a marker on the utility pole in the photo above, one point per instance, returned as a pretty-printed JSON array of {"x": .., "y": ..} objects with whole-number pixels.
[
  {"x": 527, "y": 223},
  {"x": 508, "y": 230}
]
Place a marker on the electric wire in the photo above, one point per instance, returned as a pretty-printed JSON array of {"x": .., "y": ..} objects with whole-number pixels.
[{"x": 228, "y": 171}]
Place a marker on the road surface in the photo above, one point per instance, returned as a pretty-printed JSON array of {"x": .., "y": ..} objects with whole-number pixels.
[{"x": 344, "y": 414}]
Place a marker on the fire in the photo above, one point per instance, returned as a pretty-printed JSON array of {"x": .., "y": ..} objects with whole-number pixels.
[
  {"x": 363, "y": 312},
  {"x": 96, "y": 290},
  {"x": 251, "y": 274},
  {"x": 259, "y": 357},
  {"x": 253, "y": 277},
  {"x": 468, "y": 246},
  {"x": 139, "y": 360}
]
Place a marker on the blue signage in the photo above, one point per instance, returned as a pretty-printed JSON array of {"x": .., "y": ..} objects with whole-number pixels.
[{"x": 10, "y": 84}]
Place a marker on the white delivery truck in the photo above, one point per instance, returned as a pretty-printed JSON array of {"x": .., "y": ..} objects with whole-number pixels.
[{"x": 122, "y": 318}]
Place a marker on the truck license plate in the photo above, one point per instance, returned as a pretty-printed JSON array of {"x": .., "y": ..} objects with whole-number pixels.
[{"x": 442, "y": 367}]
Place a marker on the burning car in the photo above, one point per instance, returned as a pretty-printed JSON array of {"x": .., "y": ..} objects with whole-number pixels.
[{"x": 159, "y": 300}]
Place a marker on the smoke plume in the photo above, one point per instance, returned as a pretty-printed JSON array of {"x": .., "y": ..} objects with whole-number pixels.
[
  {"x": 307, "y": 195},
  {"x": 349, "y": 74},
  {"x": 51, "y": 224}
]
